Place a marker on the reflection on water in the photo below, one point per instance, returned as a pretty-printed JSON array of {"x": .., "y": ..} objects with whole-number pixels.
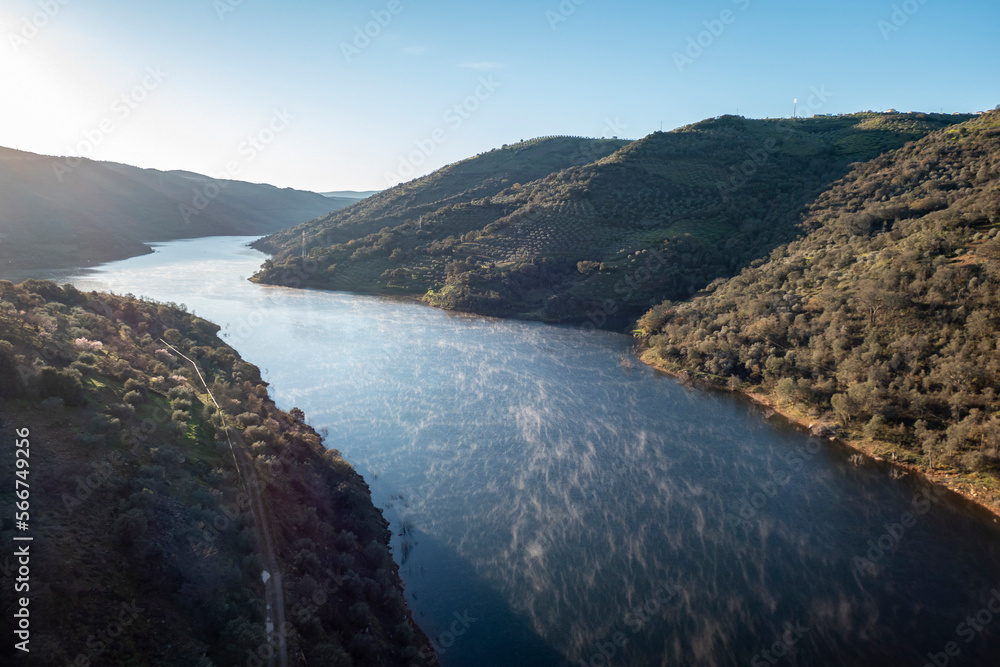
[{"x": 551, "y": 505}]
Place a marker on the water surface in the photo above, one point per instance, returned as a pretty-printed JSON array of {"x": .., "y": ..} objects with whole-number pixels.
[{"x": 552, "y": 505}]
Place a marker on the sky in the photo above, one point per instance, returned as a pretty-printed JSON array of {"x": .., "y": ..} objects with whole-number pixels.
[{"x": 362, "y": 95}]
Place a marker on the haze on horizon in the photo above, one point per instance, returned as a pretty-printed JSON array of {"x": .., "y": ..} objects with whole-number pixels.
[{"x": 298, "y": 95}]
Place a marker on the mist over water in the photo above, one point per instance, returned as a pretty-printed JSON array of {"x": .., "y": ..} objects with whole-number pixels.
[{"x": 581, "y": 510}]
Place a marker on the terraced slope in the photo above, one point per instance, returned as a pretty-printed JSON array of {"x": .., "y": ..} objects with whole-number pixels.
[{"x": 600, "y": 239}]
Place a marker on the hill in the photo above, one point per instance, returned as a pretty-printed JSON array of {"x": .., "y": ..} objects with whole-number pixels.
[
  {"x": 175, "y": 512},
  {"x": 337, "y": 203},
  {"x": 883, "y": 321},
  {"x": 67, "y": 212},
  {"x": 576, "y": 230},
  {"x": 350, "y": 194}
]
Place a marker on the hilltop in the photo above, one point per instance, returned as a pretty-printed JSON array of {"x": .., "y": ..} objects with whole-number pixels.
[
  {"x": 576, "y": 230},
  {"x": 70, "y": 212},
  {"x": 881, "y": 324},
  {"x": 164, "y": 484},
  {"x": 350, "y": 194}
]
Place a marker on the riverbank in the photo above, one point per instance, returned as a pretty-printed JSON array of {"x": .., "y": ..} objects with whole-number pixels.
[{"x": 977, "y": 488}]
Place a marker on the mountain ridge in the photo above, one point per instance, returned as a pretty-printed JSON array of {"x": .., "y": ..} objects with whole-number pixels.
[
  {"x": 59, "y": 212},
  {"x": 525, "y": 231}
]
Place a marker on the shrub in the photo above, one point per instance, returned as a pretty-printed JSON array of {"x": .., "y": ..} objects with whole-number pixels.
[
  {"x": 60, "y": 384},
  {"x": 257, "y": 433},
  {"x": 787, "y": 388},
  {"x": 123, "y": 411},
  {"x": 133, "y": 398},
  {"x": 248, "y": 419},
  {"x": 177, "y": 393}
]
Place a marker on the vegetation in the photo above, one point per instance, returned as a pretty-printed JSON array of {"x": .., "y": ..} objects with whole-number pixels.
[
  {"x": 576, "y": 230},
  {"x": 148, "y": 548},
  {"x": 883, "y": 321},
  {"x": 68, "y": 212}
]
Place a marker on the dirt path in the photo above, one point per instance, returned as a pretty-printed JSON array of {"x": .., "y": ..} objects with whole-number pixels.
[{"x": 274, "y": 594}]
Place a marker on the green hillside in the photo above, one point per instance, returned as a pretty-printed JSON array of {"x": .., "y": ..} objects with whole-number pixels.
[
  {"x": 571, "y": 230},
  {"x": 163, "y": 483},
  {"x": 884, "y": 321}
]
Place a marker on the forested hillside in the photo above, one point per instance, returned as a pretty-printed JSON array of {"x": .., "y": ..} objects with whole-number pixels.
[
  {"x": 549, "y": 232},
  {"x": 156, "y": 506},
  {"x": 69, "y": 212},
  {"x": 884, "y": 321}
]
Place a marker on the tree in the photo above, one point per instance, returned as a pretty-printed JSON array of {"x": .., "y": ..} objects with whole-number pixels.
[
  {"x": 787, "y": 388},
  {"x": 843, "y": 407}
]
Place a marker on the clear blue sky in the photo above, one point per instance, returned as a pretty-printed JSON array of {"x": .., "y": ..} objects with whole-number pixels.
[{"x": 226, "y": 66}]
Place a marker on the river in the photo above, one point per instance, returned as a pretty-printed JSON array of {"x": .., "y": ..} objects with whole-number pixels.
[{"x": 555, "y": 503}]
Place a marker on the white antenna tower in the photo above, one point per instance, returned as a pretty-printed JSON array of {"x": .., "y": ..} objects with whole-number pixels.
[
  {"x": 303, "y": 244},
  {"x": 795, "y": 107}
]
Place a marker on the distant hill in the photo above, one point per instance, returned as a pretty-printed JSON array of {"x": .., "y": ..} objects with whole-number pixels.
[
  {"x": 883, "y": 321},
  {"x": 350, "y": 194},
  {"x": 577, "y": 230},
  {"x": 57, "y": 212},
  {"x": 338, "y": 203},
  {"x": 158, "y": 500}
]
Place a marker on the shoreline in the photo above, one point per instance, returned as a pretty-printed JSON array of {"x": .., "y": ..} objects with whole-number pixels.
[
  {"x": 962, "y": 484},
  {"x": 956, "y": 482}
]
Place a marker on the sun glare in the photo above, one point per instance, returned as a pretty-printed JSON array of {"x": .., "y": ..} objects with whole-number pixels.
[{"x": 51, "y": 95}]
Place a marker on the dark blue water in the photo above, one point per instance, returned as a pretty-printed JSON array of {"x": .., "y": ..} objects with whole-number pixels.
[{"x": 553, "y": 505}]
